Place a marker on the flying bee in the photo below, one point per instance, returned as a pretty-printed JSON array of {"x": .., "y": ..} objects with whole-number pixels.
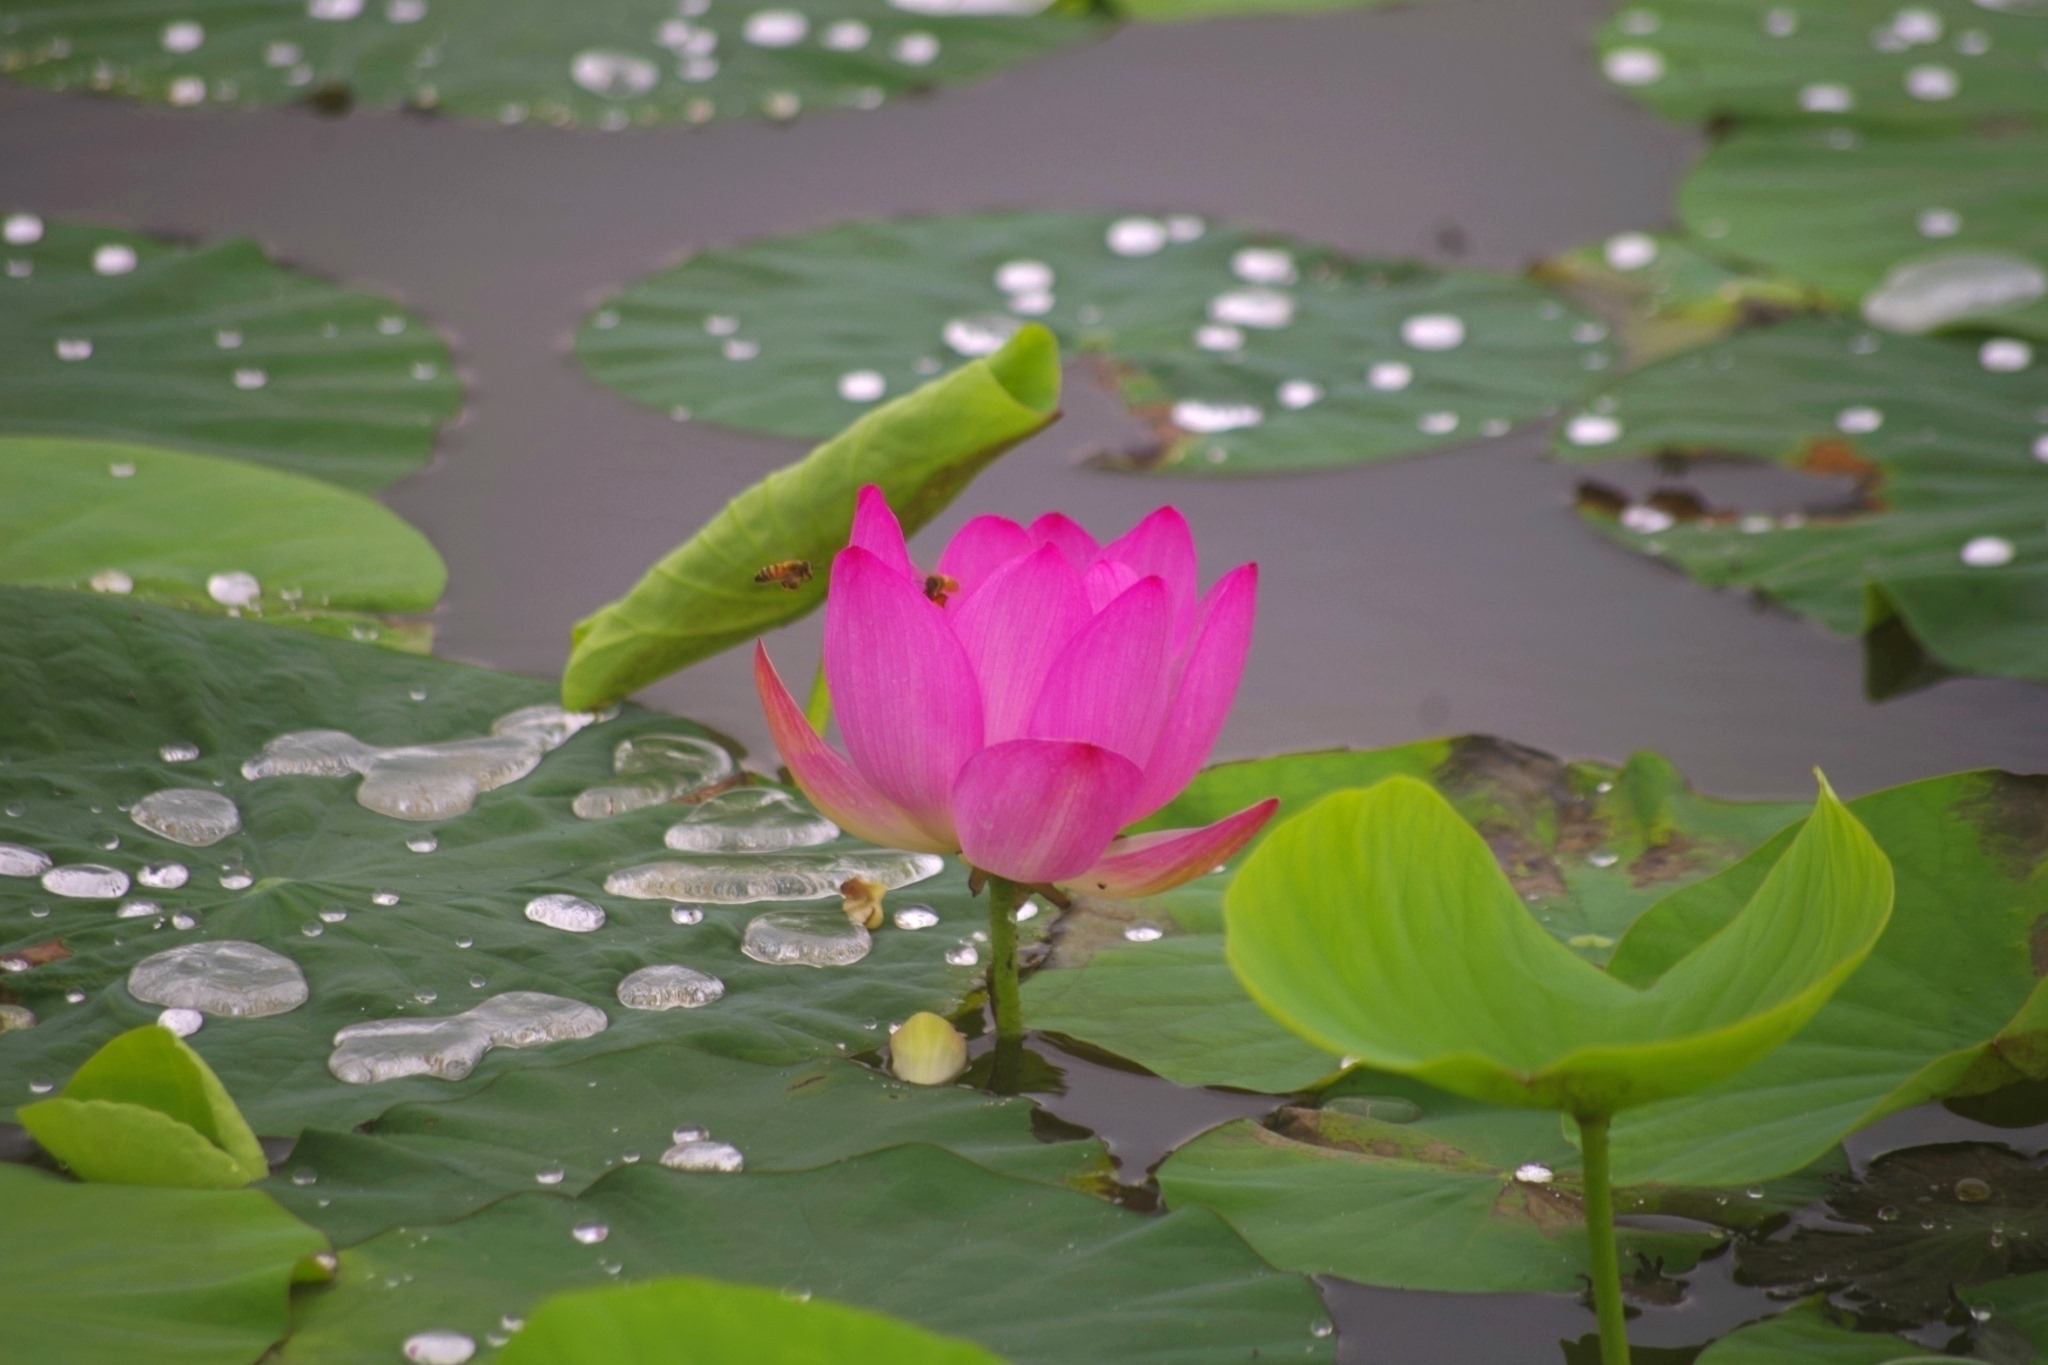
[
  {"x": 939, "y": 587},
  {"x": 787, "y": 574}
]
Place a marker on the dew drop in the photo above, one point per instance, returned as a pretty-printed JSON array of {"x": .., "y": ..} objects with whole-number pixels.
[
  {"x": 704, "y": 1155},
  {"x": 1192, "y": 414},
  {"x": 423, "y": 843},
  {"x": 590, "y": 1234},
  {"x": 1299, "y": 393},
  {"x": 1858, "y": 421},
  {"x": 862, "y": 386},
  {"x": 1136, "y": 236},
  {"x": 1988, "y": 552},
  {"x": 1434, "y": 331},
  {"x": 18, "y": 860},
  {"x": 86, "y": 881},
  {"x": 572, "y": 914},
  {"x": 178, "y": 751},
  {"x": 1390, "y": 376},
  {"x": 1143, "y": 933},
  {"x": 190, "y": 816},
  {"x": 1534, "y": 1173},
  {"x": 21, "y": 229},
  {"x": 775, "y": 28},
  {"x": 613, "y": 75},
  {"x": 1932, "y": 82},
  {"x": 805, "y": 938},
  {"x": 234, "y": 589},
  {"x": 1630, "y": 250},
  {"x": 1825, "y": 97},
  {"x": 1592, "y": 429},
  {"x": 686, "y": 914},
  {"x": 115, "y": 258},
  {"x": 2005, "y": 355},
  {"x": 915, "y": 917},
  {"x": 163, "y": 876},
  {"x": 436, "y": 1347},
  {"x": 183, "y": 1022},
  {"x": 74, "y": 348},
  {"x": 964, "y": 955},
  {"x": 669, "y": 987},
  {"x": 1634, "y": 66}
]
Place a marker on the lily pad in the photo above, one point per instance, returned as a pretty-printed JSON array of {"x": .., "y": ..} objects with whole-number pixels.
[
  {"x": 609, "y": 64},
  {"x": 199, "y": 531},
  {"x": 1945, "y": 442},
  {"x": 1919, "y": 231},
  {"x": 761, "y": 562},
  {"x": 1810, "y": 1333},
  {"x": 683, "y": 1321},
  {"x": 1907, "y": 1237},
  {"x": 119, "y": 336},
  {"x": 88, "y": 1271},
  {"x": 422, "y": 1164},
  {"x": 2020, "y": 1304},
  {"x": 1588, "y": 845},
  {"x": 1929, "y": 64},
  {"x": 146, "y": 1110},
  {"x": 1245, "y": 351},
  {"x": 1459, "y": 1196},
  {"x": 385, "y": 919},
  {"x": 914, "y": 1232},
  {"x": 1950, "y": 1002}
]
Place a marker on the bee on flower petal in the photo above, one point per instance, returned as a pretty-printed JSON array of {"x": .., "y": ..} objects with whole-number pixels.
[
  {"x": 939, "y": 587},
  {"x": 787, "y": 574}
]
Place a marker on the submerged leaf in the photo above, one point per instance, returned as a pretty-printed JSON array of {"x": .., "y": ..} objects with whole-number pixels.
[
  {"x": 684, "y": 1321},
  {"x": 1378, "y": 924},
  {"x": 147, "y": 1110},
  {"x": 122, "y": 337},
  {"x": 737, "y": 576},
  {"x": 1244, "y": 352}
]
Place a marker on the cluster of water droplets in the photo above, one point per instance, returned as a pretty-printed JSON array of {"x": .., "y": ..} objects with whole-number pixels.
[
  {"x": 423, "y": 781},
  {"x": 450, "y": 1046}
]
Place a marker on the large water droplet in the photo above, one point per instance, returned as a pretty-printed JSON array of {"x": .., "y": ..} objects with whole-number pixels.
[
  {"x": 1434, "y": 331},
  {"x": 571, "y": 913},
  {"x": 183, "y": 1022},
  {"x": 916, "y": 917},
  {"x": 190, "y": 816},
  {"x": 228, "y": 978},
  {"x": 1592, "y": 429},
  {"x": 17, "y": 860},
  {"x": 449, "y": 1047},
  {"x": 654, "y": 769},
  {"x": 435, "y": 1348},
  {"x": 178, "y": 751},
  {"x": 2005, "y": 355},
  {"x": 21, "y": 229},
  {"x": 704, "y": 1155},
  {"x": 749, "y": 820},
  {"x": 775, "y": 28},
  {"x": 1257, "y": 306},
  {"x": 1263, "y": 265},
  {"x": 1193, "y": 414},
  {"x": 1988, "y": 552},
  {"x": 1136, "y": 236},
  {"x": 669, "y": 987},
  {"x": 86, "y": 882},
  {"x": 163, "y": 876},
  {"x": 779, "y": 877},
  {"x": 805, "y": 938},
  {"x": 613, "y": 75},
  {"x": 234, "y": 589},
  {"x": 1923, "y": 295},
  {"x": 590, "y": 1234}
]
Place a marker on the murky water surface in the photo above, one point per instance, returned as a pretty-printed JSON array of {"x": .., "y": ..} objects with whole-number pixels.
[{"x": 1452, "y": 592}]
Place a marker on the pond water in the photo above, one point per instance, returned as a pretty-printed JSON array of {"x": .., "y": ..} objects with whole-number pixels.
[{"x": 1448, "y": 593}]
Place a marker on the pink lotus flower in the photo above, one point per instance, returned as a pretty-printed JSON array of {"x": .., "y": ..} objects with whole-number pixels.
[{"x": 1027, "y": 701}]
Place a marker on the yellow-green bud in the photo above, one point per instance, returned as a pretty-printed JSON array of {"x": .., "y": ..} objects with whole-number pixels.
[{"x": 927, "y": 1050}]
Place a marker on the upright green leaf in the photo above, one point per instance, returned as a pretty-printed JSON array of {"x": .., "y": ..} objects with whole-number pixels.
[
  {"x": 1245, "y": 352},
  {"x": 1944, "y": 440},
  {"x": 685, "y": 1321},
  {"x": 110, "y": 334},
  {"x": 147, "y": 1110},
  {"x": 604, "y": 63},
  {"x": 1378, "y": 924},
  {"x": 707, "y": 594},
  {"x": 97, "y": 1273},
  {"x": 189, "y": 530}
]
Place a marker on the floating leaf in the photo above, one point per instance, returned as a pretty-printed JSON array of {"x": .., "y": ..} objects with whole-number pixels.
[
  {"x": 124, "y": 337},
  {"x": 88, "y": 1272},
  {"x": 1811, "y": 1333},
  {"x": 1949, "y": 1003},
  {"x": 1945, "y": 442},
  {"x": 2018, "y": 1304},
  {"x": 146, "y": 1110},
  {"x": 1663, "y": 294},
  {"x": 680, "y": 1321},
  {"x": 198, "y": 531},
  {"x": 608, "y": 64},
  {"x": 1921, "y": 232},
  {"x": 1246, "y": 352},
  {"x": 914, "y": 1232},
  {"x": 1588, "y": 846},
  {"x": 1930, "y": 64},
  {"x": 1459, "y": 1196},
  {"x": 386, "y": 919},
  {"x": 422, "y": 1164},
  {"x": 1378, "y": 923},
  {"x": 1908, "y": 1235},
  {"x": 761, "y": 561}
]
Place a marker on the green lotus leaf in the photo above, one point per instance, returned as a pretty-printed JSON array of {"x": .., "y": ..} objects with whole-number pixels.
[
  {"x": 96, "y": 1273},
  {"x": 147, "y": 1110},
  {"x": 1811, "y": 1333},
  {"x": 1377, "y": 923},
  {"x": 1588, "y": 846},
  {"x": 2019, "y": 1305},
  {"x": 914, "y": 1232},
  {"x": 1921, "y": 232},
  {"x": 1246, "y": 352},
  {"x": 1940, "y": 63},
  {"x": 426, "y": 1163},
  {"x": 607, "y": 64},
  {"x": 122, "y": 337},
  {"x": 706, "y": 595},
  {"x": 167, "y": 526},
  {"x": 95, "y": 693},
  {"x": 1944, "y": 441},
  {"x": 684, "y": 1321}
]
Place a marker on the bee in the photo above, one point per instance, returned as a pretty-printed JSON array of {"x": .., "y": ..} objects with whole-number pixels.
[
  {"x": 787, "y": 574},
  {"x": 939, "y": 587}
]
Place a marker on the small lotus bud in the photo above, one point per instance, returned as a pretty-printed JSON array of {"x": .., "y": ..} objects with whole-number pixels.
[
  {"x": 927, "y": 1050},
  {"x": 862, "y": 901}
]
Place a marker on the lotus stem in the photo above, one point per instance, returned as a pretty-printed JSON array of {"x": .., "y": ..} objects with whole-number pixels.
[
  {"x": 1004, "y": 896},
  {"x": 1604, "y": 1263}
]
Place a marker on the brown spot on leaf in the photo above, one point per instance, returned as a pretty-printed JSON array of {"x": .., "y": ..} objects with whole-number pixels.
[
  {"x": 35, "y": 955},
  {"x": 1835, "y": 456},
  {"x": 1554, "y": 1209},
  {"x": 1600, "y": 499}
]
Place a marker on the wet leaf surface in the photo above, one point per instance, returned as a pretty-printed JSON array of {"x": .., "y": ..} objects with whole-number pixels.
[
  {"x": 1943, "y": 440},
  {"x": 1243, "y": 351},
  {"x": 118, "y": 336}
]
